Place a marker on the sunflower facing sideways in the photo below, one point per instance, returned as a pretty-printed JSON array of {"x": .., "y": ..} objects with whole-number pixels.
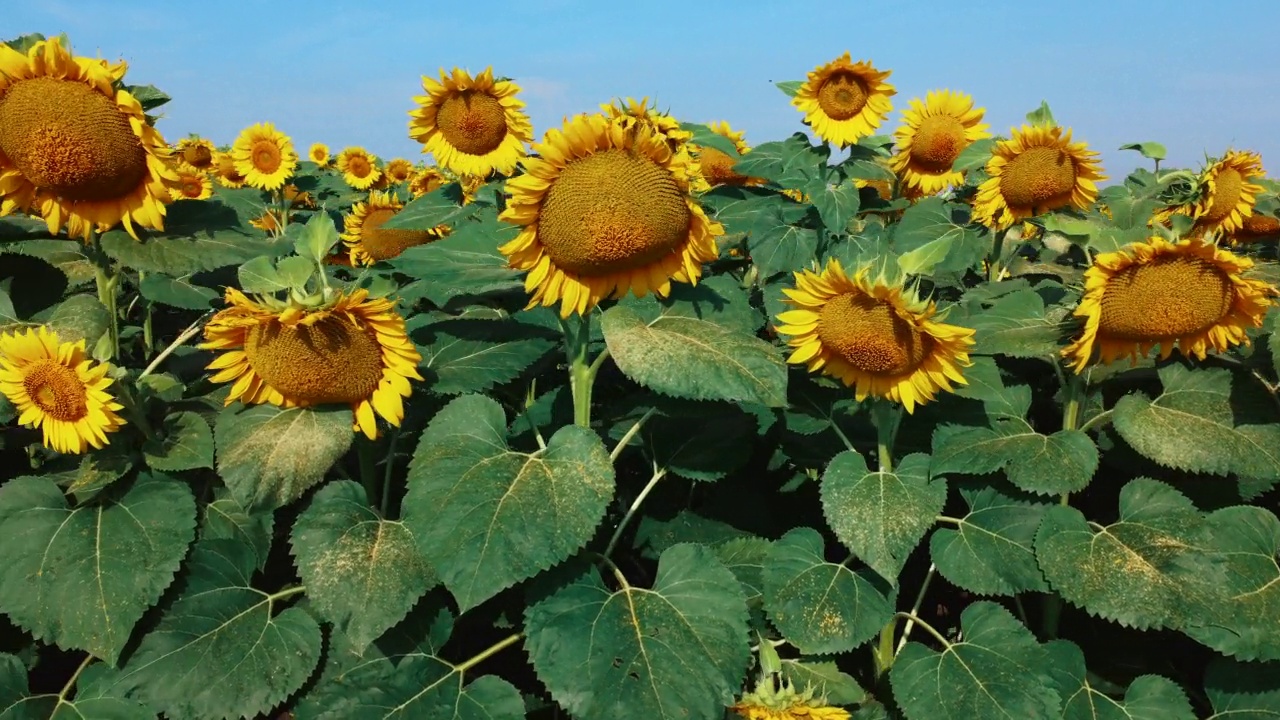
[
  {"x": 844, "y": 101},
  {"x": 605, "y": 209},
  {"x": 369, "y": 243},
  {"x": 872, "y": 336},
  {"x": 1188, "y": 294},
  {"x": 1227, "y": 196},
  {"x": 932, "y": 136},
  {"x": 426, "y": 180},
  {"x": 717, "y": 166},
  {"x": 197, "y": 152},
  {"x": 319, "y": 154},
  {"x": 193, "y": 184},
  {"x": 74, "y": 149},
  {"x": 471, "y": 126},
  {"x": 55, "y": 386},
  {"x": 225, "y": 169},
  {"x": 631, "y": 112},
  {"x": 264, "y": 156},
  {"x": 351, "y": 351},
  {"x": 398, "y": 170},
  {"x": 359, "y": 169},
  {"x": 1037, "y": 170}
]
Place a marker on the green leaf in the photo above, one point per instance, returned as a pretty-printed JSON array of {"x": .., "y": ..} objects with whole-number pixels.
[
  {"x": 259, "y": 276},
  {"x": 79, "y": 317},
  {"x": 198, "y": 236},
  {"x": 69, "y": 256},
  {"x": 269, "y": 456},
  {"x": 82, "y": 577},
  {"x": 486, "y": 516},
  {"x": 695, "y": 359},
  {"x": 1133, "y": 571},
  {"x": 1041, "y": 116},
  {"x": 697, "y": 440},
  {"x": 718, "y": 299},
  {"x": 933, "y": 235},
  {"x": 746, "y": 558},
  {"x": 975, "y": 155},
  {"x": 998, "y": 670},
  {"x": 989, "y": 551},
  {"x": 1063, "y": 462},
  {"x": 467, "y": 355},
  {"x": 1149, "y": 697},
  {"x": 465, "y": 262},
  {"x": 1243, "y": 691},
  {"x": 222, "y": 649},
  {"x": 679, "y": 650},
  {"x": 1016, "y": 325},
  {"x": 704, "y": 136},
  {"x": 837, "y": 201},
  {"x": 226, "y": 519},
  {"x": 686, "y": 527},
  {"x": 881, "y": 516},
  {"x": 427, "y": 687},
  {"x": 827, "y": 680},
  {"x": 91, "y": 701},
  {"x": 777, "y": 244},
  {"x": 362, "y": 573},
  {"x": 738, "y": 207},
  {"x": 820, "y": 606},
  {"x": 295, "y": 271},
  {"x": 438, "y": 207},
  {"x": 1149, "y": 149},
  {"x": 95, "y": 473},
  {"x": 313, "y": 243},
  {"x": 187, "y": 443},
  {"x": 177, "y": 292},
  {"x": 790, "y": 87}
]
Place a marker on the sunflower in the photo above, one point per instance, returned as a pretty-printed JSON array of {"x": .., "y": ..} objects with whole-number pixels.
[
  {"x": 264, "y": 156},
  {"x": 843, "y": 101},
  {"x": 471, "y": 126},
  {"x": 932, "y": 136},
  {"x": 358, "y": 168},
  {"x": 426, "y": 180},
  {"x": 369, "y": 243},
  {"x": 74, "y": 148},
  {"x": 197, "y": 152},
  {"x": 631, "y": 113},
  {"x": 271, "y": 221},
  {"x": 399, "y": 170},
  {"x": 353, "y": 352},
  {"x": 57, "y": 388},
  {"x": 193, "y": 184},
  {"x": 772, "y": 700},
  {"x": 872, "y": 336},
  {"x": 1190, "y": 294},
  {"x": 605, "y": 209},
  {"x": 1228, "y": 195},
  {"x": 470, "y": 185},
  {"x": 298, "y": 198},
  {"x": 717, "y": 166},
  {"x": 1258, "y": 226},
  {"x": 226, "y": 171},
  {"x": 319, "y": 154},
  {"x": 1037, "y": 170}
]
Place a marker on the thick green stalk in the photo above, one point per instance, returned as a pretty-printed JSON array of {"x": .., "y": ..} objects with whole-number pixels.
[
  {"x": 368, "y": 469},
  {"x": 582, "y": 371},
  {"x": 1076, "y": 388}
]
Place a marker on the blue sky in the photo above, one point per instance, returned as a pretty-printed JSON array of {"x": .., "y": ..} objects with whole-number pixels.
[{"x": 345, "y": 73}]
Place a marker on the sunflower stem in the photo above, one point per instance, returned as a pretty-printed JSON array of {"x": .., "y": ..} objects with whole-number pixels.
[
  {"x": 186, "y": 335},
  {"x": 148, "y": 338},
  {"x": 884, "y": 654},
  {"x": 915, "y": 608},
  {"x": 488, "y": 652},
  {"x": 106, "y": 282},
  {"x": 1076, "y": 388},
  {"x": 368, "y": 469},
  {"x": 658, "y": 474},
  {"x": 66, "y": 689},
  {"x": 385, "y": 499},
  {"x": 577, "y": 344},
  {"x": 993, "y": 260},
  {"x": 886, "y": 416}
]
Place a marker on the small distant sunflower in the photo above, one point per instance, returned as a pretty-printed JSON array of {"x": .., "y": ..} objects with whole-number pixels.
[
  {"x": 844, "y": 101},
  {"x": 471, "y": 126},
  {"x": 1190, "y": 294},
  {"x": 298, "y": 198},
  {"x": 56, "y": 387},
  {"x": 358, "y": 168},
  {"x": 264, "y": 156},
  {"x": 932, "y": 136},
  {"x": 228, "y": 175},
  {"x": 1229, "y": 195},
  {"x": 873, "y": 337},
  {"x": 471, "y": 185},
  {"x": 631, "y": 112},
  {"x": 1256, "y": 227},
  {"x": 717, "y": 166},
  {"x": 605, "y": 209},
  {"x": 197, "y": 152},
  {"x": 271, "y": 221},
  {"x": 193, "y": 184},
  {"x": 883, "y": 188},
  {"x": 369, "y": 243},
  {"x": 74, "y": 148},
  {"x": 354, "y": 352},
  {"x": 426, "y": 180},
  {"x": 1037, "y": 170},
  {"x": 319, "y": 154},
  {"x": 399, "y": 170}
]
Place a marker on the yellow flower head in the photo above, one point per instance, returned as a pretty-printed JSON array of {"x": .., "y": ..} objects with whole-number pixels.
[
  {"x": 272, "y": 221},
  {"x": 844, "y": 101},
  {"x": 471, "y": 126},
  {"x": 426, "y": 180},
  {"x": 225, "y": 169},
  {"x": 358, "y": 168},
  {"x": 932, "y": 136},
  {"x": 264, "y": 156},
  {"x": 319, "y": 154},
  {"x": 197, "y": 152},
  {"x": 1228, "y": 194},
  {"x": 193, "y": 184},
  {"x": 399, "y": 170},
  {"x": 57, "y": 388},
  {"x": 632, "y": 113},
  {"x": 1256, "y": 227},
  {"x": 717, "y": 167},
  {"x": 366, "y": 239},
  {"x": 1037, "y": 170}
]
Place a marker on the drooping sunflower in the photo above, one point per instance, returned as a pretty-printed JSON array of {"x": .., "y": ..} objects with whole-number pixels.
[
  {"x": 932, "y": 136},
  {"x": 783, "y": 701},
  {"x": 632, "y": 112},
  {"x": 1037, "y": 170},
  {"x": 426, "y": 180},
  {"x": 271, "y": 221},
  {"x": 193, "y": 184},
  {"x": 603, "y": 210},
  {"x": 1191, "y": 295},
  {"x": 366, "y": 239},
  {"x": 228, "y": 175},
  {"x": 1256, "y": 227},
  {"x": 56, "y": 387},
  {"x": 358, "y": 168},
  {"x": 73, "y": 148},
  {"x": 717, "y": 166},
  {"x": 399, "y": 170},
  {"x": 319, "y": 154},
  {"x": 197, "y": 152},
  {"x": 353, "y": 352},
  {"x": 1228, "y": 195},
  {"x": 844, "y": 101},
  {"x": 264, "y": 156},
  {"x": 471, "y": 126},
  {"x": 874, "y": 337}
]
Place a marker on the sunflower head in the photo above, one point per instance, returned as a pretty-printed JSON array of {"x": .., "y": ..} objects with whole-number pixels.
[
  {"x": 298, "y": 198},
  {"x": 1037, "y": 170},
  {"x": 196, "y": 152},
  {"x": 782, "y": 701},
  {"x": 471, "y": 125},
  {"x": 844, "y": 101},
  {"x": 264, "y": 156},
  {"x": 74, "y": 149},
  {"x": 933, "y": 134},
  {"x": 1256, "y": 227},
  {"x": 426, "y": 180},
  {"x": 1189, "y": 294},
  {"x": 399, "y": 170},
  {"x": 359, "y": 169},
  {"x": 873, "y": 336},
  {"x": 1228, "y": 193},
  {"x": 368, "y": 242},
  {"x": 351, "y": 350},
  {"x": 632, "y": 113},
  {"x": 716, "y": 167},
  {"x": 192, "y": 184},
  {"x": 319, "y": 154},
  {"x": 605, "y": 208},
  {"x": 272, "y": 221},
  {"x": 54, "y": 386}
]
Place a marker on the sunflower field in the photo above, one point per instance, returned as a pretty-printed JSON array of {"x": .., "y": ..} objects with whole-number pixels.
[{"x": 896, "y": 417}]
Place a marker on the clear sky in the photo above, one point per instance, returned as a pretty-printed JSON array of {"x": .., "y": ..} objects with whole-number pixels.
[{"x": 1195, "y": 76}]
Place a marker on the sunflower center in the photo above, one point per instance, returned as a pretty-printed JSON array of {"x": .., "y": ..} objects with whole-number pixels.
[
  {"x": 611, "y": 212},
  {"x": 384, "y": 244},
  {"x": 842, "y": 95},
  {"x": 57, "y": 389},
  {"x": 473, "y": 122},
  {"x": 938, "y": 142},
  {"x": 1258, "y": 225},
  {"x": 869, "y": 335},
  {"x": 197, "y": 156},
  {"x": 1037, "y": 176},
  {"x": 332, "y": 361},
  {"x": 1168, "y": 298},
  {"x": 717, "y": 168},
  {"x": 66, "y": 137},
  {"x": 319, "y": 155},
  {"x": 1226, "y": 193},
  {"x": 191, "y": 187},
  {"x": 266, "y": 156},
  {"x": 359, "y": 167}
]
